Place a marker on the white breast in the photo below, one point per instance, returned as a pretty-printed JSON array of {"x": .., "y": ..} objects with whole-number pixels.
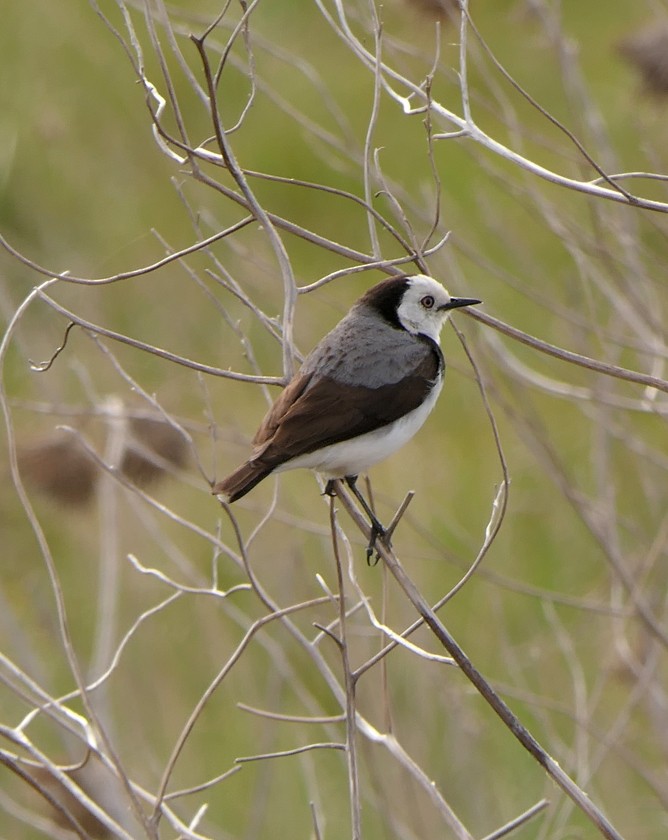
[{"x": 354, "y": 456}]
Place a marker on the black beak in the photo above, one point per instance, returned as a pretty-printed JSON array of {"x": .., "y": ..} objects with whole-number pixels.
[{"x": 455, "y": 303}]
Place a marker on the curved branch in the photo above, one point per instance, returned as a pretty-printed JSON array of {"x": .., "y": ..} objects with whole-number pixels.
[{"x": 569, "y": 356}]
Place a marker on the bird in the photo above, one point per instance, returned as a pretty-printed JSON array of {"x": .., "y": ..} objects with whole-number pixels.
[{"x": 361, "y": 393}]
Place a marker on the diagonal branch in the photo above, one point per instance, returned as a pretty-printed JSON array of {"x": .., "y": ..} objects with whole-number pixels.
[{"x": 512, "y": 722}]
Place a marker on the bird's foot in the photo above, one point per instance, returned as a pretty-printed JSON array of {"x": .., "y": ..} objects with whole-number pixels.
[{"x": 378, "y": 532}]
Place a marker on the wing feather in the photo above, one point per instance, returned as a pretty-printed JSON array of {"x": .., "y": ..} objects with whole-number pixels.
[{"x": 312, "y": 414}]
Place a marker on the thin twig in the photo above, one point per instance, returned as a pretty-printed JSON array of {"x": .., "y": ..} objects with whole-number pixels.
[
  {"x": 156, "y": 351},
  {"x": 568, "y": 356},
  {"x": 125, "y": 275},
  {"x": 290, "y": 718},
  {"x": 330, "y": 745},
  {"x": 523, "y": 819},
  {"x": 42, "y": 367},
  {"x": 349, "y": 683}
]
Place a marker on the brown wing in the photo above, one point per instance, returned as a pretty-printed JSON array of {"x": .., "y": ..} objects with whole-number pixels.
[
  {"x": 304, "y": 418},
  {"x": 290, "y": 394},
  {"x": 245, "y": 477}
]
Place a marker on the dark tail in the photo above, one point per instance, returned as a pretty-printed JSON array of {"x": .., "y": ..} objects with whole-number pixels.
[{"x": 241, "y": 481}]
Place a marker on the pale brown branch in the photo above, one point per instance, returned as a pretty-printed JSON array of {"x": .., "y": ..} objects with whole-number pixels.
[
  {"x": 158, "y": 351},
  {"x": 568, "y": 356},
  {"x": 510, "y": 720}
]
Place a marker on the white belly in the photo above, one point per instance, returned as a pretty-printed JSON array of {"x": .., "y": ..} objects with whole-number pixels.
[{"x": 354, "y": 456}]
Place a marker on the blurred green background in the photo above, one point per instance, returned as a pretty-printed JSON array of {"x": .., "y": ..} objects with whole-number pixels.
[{"x": 565, "y": 614}]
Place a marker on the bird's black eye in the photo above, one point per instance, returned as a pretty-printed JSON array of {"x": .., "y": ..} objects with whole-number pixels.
[{"x": 427, "y": 301}]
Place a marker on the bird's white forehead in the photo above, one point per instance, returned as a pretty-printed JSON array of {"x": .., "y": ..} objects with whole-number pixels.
[{"x": 420, "y": 284}]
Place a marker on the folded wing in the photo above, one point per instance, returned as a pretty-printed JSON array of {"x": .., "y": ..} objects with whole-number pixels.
[{"x": 311, "y": 415}]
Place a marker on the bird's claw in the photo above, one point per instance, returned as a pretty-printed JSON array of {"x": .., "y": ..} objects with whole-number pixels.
[{"x": 377, "y": 533}]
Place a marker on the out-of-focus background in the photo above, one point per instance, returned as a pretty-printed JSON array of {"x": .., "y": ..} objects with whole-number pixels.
[{"x": 115, "y": 559}]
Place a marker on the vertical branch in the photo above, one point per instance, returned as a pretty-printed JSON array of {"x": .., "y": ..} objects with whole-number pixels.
[
  {"x": 349, "y": 682},
  {"x": 368, "y": 140},
  {"x": 108, "y": 586},
  {"x": 463, "y": 61}
]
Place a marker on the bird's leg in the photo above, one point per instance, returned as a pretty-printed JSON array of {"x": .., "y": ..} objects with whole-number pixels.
[
  {"x": 330, "y": 490},
  {"x": 377, "y": 530}
]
